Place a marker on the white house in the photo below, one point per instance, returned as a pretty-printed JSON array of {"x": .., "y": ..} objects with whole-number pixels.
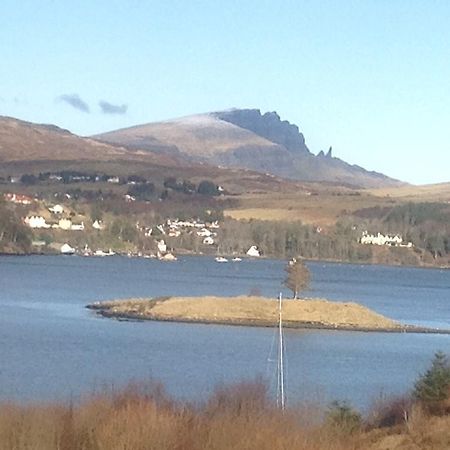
[
  {"x": 57, "y": 209},
  {"x": 253, "y": 252},
  {"x": 208, "y": 240},
  {"x": 204, "y": 232},
  {"x": 98, "y": 225},
  {"x": 77, "y": 226},
  {"x": 199, "y": 225},
  {"x": 36, "y": 222},
  {"x": 162, "y": 247},
  {"x": 381, "y": 239},
  {"x": 65, "y": 224},
  {"x": 66, "y": 249}
]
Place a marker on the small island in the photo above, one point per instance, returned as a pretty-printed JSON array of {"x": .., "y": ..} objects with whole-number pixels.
[{"x": 255, "y": 311}]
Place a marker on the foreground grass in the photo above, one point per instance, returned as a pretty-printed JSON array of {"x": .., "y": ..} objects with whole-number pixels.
[{"x": 236, "y": 417}]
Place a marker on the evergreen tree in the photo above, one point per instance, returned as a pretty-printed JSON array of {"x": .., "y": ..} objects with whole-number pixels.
[{"x": 434, "y": 385}]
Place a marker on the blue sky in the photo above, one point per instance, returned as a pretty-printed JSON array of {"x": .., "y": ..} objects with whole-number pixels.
[{"x": 371, "y": 78}]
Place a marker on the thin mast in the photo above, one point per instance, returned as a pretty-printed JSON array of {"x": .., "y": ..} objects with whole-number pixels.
[{"x": 281, "y": 398}]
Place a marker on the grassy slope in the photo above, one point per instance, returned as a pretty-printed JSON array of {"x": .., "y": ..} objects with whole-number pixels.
[
  {"x": 314, "y": 204},
  {"x": 21, "y": 141},
  {"x": 429, "y": 192},
  {"x": 323, "y": 204}
]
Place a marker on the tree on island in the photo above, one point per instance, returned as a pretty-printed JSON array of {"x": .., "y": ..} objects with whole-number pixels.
[{"x": 298, "y": 276}]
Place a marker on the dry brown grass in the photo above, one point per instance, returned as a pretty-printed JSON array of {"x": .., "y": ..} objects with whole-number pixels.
[
  {"x": 236, "y": 417},
  {"x": 239, "y": 417},
  {"x": 427, "y": 192},
  {"x": 312, "y": 204},
  {"x": 421, "y": 432},
  {"x": 248, "y": 309}
]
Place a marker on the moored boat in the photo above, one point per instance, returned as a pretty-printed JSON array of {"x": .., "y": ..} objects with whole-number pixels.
[{"x": 221, "y": 259}]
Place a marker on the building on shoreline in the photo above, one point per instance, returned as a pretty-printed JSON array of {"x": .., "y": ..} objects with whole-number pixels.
[{"x": 381, "y": 239}]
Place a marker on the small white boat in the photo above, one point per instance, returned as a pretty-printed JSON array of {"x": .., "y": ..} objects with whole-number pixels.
[
  {"x": 102, "y": 253},
  {"x": 221, "y": 259},
  {"x": 237, "y": 259}
]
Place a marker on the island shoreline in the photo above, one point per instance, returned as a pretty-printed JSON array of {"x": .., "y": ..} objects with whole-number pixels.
[{"x": 109, "y": 310}]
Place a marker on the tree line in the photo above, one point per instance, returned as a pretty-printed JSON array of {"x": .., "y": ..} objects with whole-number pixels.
[{"x": 14, "y": 236}]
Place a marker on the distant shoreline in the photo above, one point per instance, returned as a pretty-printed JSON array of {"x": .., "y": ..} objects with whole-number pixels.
[
  {"x": 256, "y": 312},
  {"x": 184, "y": 254}
]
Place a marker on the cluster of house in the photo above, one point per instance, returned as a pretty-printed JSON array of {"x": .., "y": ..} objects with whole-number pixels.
[
  {"x": 382, "y": 239},
  {"x": 64, "y": 223},
  {"x": 18, "y": 199},
  {"x": 206, "y": 231},
  {"x": 174, "y": 228}
]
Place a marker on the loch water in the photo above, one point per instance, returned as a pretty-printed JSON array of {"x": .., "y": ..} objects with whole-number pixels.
[{"x": 53, "y": 348}]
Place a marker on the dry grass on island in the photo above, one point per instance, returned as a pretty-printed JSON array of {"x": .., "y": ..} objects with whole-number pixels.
[{"x": 247, "y": 310}]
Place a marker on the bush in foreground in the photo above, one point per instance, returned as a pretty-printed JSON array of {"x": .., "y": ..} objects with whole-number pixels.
[
  {"x": 242, "y": 416},
  {"x": 432, "y": 388},
  {"x": 143, "y": 417},
  {"x": 343, "y": 417}
]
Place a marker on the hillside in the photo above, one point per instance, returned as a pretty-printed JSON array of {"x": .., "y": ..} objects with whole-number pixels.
[
  {"x": 283, "y": 217},
  {"x": 21, "y": 141},
  {"x": 439, "y": 192},
  {"x": 247, "y": 139},
  {"x": 27, "y": 147}
]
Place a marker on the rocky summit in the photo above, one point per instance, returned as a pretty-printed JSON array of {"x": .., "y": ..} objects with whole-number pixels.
[{"x": 249, "y": 139}]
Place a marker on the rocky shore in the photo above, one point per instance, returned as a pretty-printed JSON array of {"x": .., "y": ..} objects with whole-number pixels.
[{"x": 255, "y": 311}]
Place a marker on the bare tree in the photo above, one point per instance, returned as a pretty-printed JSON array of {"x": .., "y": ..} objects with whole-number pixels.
[{"x": 298, "y": 276}]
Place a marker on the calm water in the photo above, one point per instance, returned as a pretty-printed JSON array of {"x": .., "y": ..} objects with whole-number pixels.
[{"x": 51, "y": 347}]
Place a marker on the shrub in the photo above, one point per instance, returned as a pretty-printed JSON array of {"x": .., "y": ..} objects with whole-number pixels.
[
  {"x": 433, "y": 387},
  {"x": 142, "y": 191},
  {"x": 28, "y": 179},
  {"x": 342, "y": 416},
  {"x": 207, "y": 187},
  {"x": 390, "y": 412}
]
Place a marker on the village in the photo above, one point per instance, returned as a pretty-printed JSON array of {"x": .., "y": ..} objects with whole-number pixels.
[
  {"x": 58, "y": 217},
  {"x": 64, "y": 225}
]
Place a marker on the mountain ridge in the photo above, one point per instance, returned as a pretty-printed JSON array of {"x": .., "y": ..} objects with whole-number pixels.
[{"x": 245, "y": 138}]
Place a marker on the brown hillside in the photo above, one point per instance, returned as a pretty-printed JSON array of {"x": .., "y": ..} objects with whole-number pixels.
[
  {"x": 25, "y": 141},
  {"x": 428, "y": 192},
  {"x": 32, "y": 148}
]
